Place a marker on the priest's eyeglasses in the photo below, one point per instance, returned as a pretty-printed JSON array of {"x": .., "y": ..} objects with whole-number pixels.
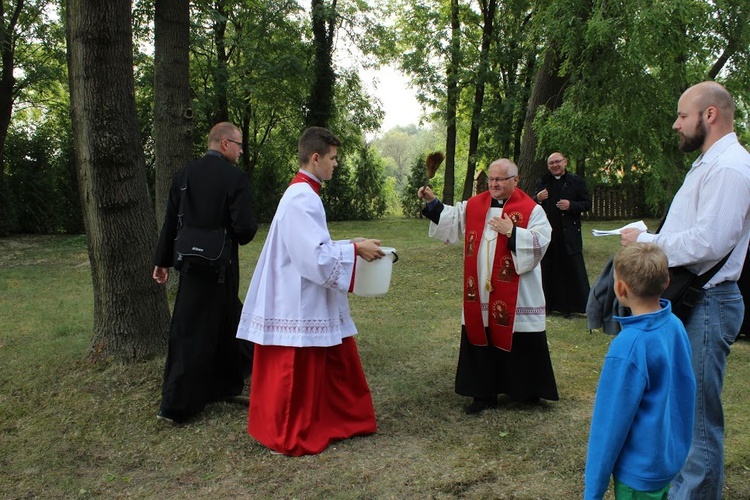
[{"x": 500, "y": 179}]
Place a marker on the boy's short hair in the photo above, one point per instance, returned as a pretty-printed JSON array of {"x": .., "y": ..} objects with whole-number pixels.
[
  {"x": 644, "y": 267},
  {"x": 315, "y": 140}
]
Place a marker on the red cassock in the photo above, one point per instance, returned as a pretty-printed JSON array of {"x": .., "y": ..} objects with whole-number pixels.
[{"x": 308, "y": 397}]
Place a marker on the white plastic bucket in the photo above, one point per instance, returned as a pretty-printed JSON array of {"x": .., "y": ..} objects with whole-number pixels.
[{"x": 372, "y": 279}]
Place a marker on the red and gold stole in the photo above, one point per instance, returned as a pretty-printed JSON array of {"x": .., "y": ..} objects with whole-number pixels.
[
  {"x": 503, "y": 280},
  {"x": 302, "y": 177}
]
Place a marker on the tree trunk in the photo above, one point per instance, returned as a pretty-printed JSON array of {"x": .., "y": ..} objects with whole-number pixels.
[
  {"x": 173, "y": 114},
  {"x": 547, "y": 91},
  {"x": 581, "y": 167},
  {"x": 523, "y": 106},
  {"x": 7, "y": 91},
  {"x": 221, "y": 71},
  {"x": 719, "y": 64},
  {"x": 131, "y": 312},
  {"x": 488, "y": 15},
  {"x": 320, "y": 105},
  {"x": 452, "y": 105}
]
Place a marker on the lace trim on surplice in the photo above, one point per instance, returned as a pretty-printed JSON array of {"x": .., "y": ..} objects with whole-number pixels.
[
  {"x": 333, "y": 278},
  {"x": 312, "y": 328}
]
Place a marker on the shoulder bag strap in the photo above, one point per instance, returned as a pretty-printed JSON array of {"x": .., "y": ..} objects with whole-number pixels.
[
  {"x": 183, "y": 193},
  {"x": 701, "y": 279}
]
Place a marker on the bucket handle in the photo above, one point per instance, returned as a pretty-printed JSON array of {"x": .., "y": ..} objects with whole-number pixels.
[{"x": 395, "y": 257}]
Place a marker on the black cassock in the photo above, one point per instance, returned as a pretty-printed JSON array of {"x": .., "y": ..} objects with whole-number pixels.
[
  {"x": 205, "y": 361},
  {"x": 564, "y": 277},
  {"x": 525, "y": 373}
]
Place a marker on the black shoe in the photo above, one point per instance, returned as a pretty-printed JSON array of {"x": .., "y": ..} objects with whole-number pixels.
[
  {"x": 169, "y": 418},
  {"x": 479, "y": 405},
  {"x": 240, "y": 399},
  {"x": 531, "y": 400},
  {"x": 567, "y": 315},
  {"x": 166, "y": 419}
]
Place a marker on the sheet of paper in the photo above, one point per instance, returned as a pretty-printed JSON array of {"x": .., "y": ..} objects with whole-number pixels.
[{"x": 635, "y": 225}]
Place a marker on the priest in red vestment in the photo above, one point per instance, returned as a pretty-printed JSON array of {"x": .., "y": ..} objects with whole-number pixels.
[
  {"x": 503, "y": 340},
  {"x": 308, "y": 387}
]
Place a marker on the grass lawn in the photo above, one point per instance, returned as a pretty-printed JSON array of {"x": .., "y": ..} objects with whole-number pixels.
[{"x": 69, "y": 429}]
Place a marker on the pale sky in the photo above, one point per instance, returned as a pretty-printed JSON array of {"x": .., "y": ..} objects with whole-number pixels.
[{"x": 397, "y": 99}]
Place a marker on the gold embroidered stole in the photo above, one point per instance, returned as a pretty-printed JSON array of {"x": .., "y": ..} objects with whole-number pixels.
[{"x": 503, "y": 282}]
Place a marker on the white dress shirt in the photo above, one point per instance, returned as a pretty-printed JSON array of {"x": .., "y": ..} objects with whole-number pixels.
[{"x": 710, "y": 214}]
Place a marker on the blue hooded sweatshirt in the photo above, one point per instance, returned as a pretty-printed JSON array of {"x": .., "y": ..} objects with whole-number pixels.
[{"x": 642, "y": 424}]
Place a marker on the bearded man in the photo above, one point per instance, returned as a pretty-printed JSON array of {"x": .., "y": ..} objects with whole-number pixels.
[{"x": 709, "y": 218}]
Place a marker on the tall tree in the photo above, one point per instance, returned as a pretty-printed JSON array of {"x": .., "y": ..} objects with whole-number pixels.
[
  {"x": 131, "y": 312},
  {"x": 488, "y": 8},
  {"x": 410, "y": 204},
  {"x": 627, "y": 63},
  {"x": 269, "y": 81},
  {"x": 221, "y": 70},
  {"x": 731, "y": 35},
  {"x": 18, "y": 18},
  {"x": 173, "y": 113},
  {"x": 9, "y": 35},
  {"x": 511, "y": 61},
  {"x": 451, "y": 105},
  {"x": 320, "y": 107},
  {"x": 546, "y": 93},
  {"x": 368, "y": 182}
]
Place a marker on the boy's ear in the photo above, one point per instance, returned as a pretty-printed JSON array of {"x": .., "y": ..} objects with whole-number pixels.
[{"x": 621, "y": 289}]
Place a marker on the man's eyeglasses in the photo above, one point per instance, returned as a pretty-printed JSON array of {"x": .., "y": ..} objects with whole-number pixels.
[
  {"x": 500, "y": 179},
  {"x": 555, "y": 162},
  {"x": 238, "y": 143}
]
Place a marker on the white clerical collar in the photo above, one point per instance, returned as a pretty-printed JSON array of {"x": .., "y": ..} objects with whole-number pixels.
[{"x": 311, "y": 176}]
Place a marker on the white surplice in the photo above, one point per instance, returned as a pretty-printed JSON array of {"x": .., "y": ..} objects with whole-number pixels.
[
  {"x": 531, "y": 245},
  {"x": 298, "y": 292}
]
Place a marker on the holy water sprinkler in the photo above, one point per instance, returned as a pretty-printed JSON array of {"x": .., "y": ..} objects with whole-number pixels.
[{"x": 433, "y": 162}]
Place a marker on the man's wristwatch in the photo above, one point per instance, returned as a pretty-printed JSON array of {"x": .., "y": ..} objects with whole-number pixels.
[{"x": 510, "y": 233}]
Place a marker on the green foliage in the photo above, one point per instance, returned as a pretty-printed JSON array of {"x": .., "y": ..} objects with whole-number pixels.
[
  {"x": 268, "y": 184},
  {"x": 41, "y": 180},
  {"x": 338, "y": 194},
  {"x": 411, "y": 205},
  {"x": 38, "y": 49},
  {"x": 390, "y": 195},
  {"x": 400, "y": 144},
  {"x": 627, "y": 64},
  {"x": 270, "y": 69},
  {"x": 369, "y": 202}
]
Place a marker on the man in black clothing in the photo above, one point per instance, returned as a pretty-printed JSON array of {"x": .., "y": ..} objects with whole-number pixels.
[
  {"x": 564, "y": 196},
  {"x": 205, "y": 360}
]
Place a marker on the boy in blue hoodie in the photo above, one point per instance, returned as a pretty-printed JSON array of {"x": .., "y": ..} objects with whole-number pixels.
[{"x": 642, "y": 423}]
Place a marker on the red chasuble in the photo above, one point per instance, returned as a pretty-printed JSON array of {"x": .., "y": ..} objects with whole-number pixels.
[{"x": 504, "y": 279}]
